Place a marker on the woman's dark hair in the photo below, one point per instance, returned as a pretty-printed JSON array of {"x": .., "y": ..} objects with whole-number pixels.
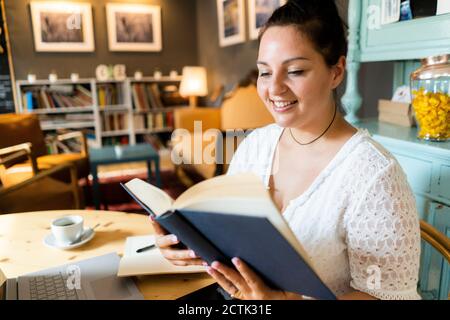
[{"x": 319, "y": 20}]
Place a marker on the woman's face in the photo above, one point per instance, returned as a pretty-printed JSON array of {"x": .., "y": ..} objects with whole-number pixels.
[{"x": 294, "y": 81}]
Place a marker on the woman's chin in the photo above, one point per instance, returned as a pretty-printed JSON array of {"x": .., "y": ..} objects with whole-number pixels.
[{"x": 285, "y": 121}]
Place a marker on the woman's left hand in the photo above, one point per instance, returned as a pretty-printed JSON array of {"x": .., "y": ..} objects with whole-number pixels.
[{"x": 244, "y": 283}]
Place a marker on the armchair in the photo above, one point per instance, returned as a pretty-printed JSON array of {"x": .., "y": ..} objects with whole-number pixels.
[
  {"x": 22, "y": 132},
  {"x": 244, "y": 110},
  {"x": 41, "y": 191}
]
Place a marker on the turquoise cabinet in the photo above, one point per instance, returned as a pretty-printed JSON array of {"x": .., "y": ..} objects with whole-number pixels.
[
  {"x": 402, "y": 41},
  {"x": 427, "y": 167}
]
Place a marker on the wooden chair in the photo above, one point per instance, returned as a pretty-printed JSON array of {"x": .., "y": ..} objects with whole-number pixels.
[
  {"x": 437, "y": 240},
  {"x": 22, "y": 132},
  {"x": 42, "y": 192}
]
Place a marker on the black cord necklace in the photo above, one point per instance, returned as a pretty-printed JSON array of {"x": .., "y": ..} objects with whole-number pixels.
[{"x": 329, "y": 126}]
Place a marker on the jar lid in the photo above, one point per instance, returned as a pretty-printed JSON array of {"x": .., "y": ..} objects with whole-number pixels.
[
  {"x": 434, "y": 60},
  {"x": 433, "y": 68}
]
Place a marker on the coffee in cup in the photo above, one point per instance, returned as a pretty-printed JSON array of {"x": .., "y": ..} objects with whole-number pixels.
[{"x": 67, "y": 229}]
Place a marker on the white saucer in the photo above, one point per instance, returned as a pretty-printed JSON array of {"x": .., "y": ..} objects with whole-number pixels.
[{"x": 87, "y": 235}]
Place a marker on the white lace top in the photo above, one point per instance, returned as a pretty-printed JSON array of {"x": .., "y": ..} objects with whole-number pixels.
[{"x": 357, "y": 221}]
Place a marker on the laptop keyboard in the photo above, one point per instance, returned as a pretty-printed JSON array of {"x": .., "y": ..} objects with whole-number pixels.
[{"x": 52, "y": 287}]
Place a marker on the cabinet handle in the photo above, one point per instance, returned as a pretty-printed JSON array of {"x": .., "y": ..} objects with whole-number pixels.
[{"x": 439, "y": 206}]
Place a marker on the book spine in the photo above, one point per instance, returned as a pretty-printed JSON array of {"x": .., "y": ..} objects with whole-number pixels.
[{"x": 176, "y": 224}]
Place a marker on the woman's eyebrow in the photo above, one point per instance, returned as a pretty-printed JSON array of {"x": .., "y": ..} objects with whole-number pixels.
[{"x": 284, "y": 62}]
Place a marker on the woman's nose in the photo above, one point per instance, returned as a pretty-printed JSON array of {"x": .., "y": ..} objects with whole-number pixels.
[{"x": 277, "y": 86}]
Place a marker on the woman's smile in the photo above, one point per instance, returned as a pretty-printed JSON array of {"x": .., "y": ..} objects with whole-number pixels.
[{"x": 282, "y": 106}]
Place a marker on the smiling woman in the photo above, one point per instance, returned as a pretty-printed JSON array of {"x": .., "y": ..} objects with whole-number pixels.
[{"x": 345, "y": 198}]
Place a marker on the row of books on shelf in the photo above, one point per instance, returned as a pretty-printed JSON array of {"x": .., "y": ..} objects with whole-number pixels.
[
  {"x": 68, "y": 118},
  {"x": 115, "y": 121},
  {"x": 110, "y": 94},
  {"x": 56, "y": 96},
  {"x": 153, "y": 121},
  {"x": 119, "y": 121},
  {"x": 149, "y": 96}
]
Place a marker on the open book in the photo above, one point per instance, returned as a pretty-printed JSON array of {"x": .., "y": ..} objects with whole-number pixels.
[
  {"x": 150, "y": 262},
  {"x": 234, "y": 216}
]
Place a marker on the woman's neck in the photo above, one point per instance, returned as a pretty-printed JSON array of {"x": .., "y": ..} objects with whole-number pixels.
[{"x": 338, "y": 129}]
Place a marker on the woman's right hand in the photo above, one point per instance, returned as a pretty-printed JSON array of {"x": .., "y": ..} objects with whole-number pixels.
[{"x": 178, "y": 257}]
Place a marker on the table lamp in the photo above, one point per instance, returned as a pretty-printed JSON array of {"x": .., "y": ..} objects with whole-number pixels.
[{"x": 193, "y": 84}]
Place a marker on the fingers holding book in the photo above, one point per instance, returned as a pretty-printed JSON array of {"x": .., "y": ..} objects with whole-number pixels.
[
  {"x": 243, "y": 283},
  {"x": 173, "y": 250}
]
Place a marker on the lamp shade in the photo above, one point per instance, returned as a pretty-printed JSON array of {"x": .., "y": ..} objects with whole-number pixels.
[{"x": 193, "y": 82}]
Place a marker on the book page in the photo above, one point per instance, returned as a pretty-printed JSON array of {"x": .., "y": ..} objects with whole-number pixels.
[
  {"x": 154, "y": 198},
  {"x": 148, "y": 262},
  {"x": 224, "y": 187}
]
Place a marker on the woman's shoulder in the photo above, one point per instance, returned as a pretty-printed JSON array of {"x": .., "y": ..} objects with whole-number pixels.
[{"x": 369, "y": 157}]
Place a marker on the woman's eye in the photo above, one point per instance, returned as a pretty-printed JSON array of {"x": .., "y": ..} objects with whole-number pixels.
[
  {"x": 263, "y": 74},
  {"x": 296, "y": 72}
]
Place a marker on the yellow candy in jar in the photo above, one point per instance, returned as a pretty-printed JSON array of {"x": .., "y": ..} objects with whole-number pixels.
[{"x": 433, "y": 114}]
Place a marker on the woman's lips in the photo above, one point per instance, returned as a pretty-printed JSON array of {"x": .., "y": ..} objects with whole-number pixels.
[{"x": 282, "y": 106}]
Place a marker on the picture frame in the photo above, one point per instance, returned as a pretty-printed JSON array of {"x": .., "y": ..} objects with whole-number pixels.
[
  {"x": 231, "y": 21},
  {"x": 134, "y": 27},
  {"x": 390, "y": 11},
  {"x": 62, "y": 26},
  {"x": 259, "y": 11}
]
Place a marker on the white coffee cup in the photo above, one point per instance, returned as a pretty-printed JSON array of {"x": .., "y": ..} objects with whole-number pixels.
[{"x": 67, "y": 229}]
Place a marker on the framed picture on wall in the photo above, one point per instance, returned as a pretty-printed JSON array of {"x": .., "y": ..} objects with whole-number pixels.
[
  {"x": 231, "y": 20},
  {"x": 259, "y": 11},
  {"x": 134, "y": 27},
  {"x": 62, "y": 26}
]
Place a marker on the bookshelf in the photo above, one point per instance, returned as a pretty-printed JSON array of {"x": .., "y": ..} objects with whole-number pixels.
[
  {"x": 110, "y": 112},
  {"x": 153, "y": 104}
]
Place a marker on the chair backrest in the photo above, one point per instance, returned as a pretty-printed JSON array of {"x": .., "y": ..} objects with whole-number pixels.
[
  {"x": 21, "y": 128},
  {"x": 438, "y": 241}
]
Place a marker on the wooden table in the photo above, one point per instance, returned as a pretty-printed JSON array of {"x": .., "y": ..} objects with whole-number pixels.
[{"x": 22, "y": 249}]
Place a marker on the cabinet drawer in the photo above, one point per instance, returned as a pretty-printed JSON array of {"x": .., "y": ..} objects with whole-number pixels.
[
  {"x": 444, "y": 182},
  {"x": 417, "y": 171}
]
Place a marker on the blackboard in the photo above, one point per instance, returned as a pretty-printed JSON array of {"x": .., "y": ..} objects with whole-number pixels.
[{"x": 6, "y": 94}]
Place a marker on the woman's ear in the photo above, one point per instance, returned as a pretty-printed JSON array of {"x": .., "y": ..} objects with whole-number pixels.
[{"x": 339, "y": 72}]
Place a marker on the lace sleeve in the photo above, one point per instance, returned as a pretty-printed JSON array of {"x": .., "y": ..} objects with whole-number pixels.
[{"x": 383, "y": 238}]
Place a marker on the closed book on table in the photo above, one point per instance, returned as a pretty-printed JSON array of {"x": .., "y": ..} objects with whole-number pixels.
[
  {"x": 388, "y": 106},
  {"x": 401, "y": 120},
  {"x": 234, "y": 216}
]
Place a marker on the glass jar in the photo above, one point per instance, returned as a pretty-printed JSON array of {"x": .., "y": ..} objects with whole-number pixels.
[{"x": 430, "y": 92}]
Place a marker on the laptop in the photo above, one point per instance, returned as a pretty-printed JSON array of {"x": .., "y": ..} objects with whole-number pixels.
[{"x": 91, "y": 279}]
